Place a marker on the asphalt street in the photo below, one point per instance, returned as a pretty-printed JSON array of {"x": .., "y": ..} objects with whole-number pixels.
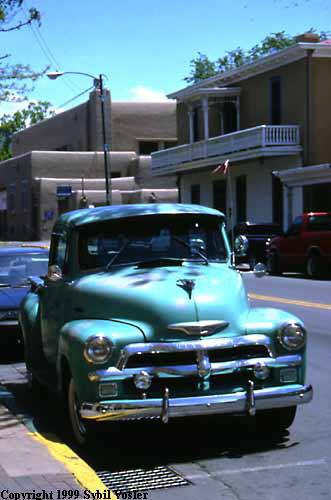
[{"x": 219, "y": 457}]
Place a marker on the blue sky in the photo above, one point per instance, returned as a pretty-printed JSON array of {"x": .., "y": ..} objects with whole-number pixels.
[{"x": 144, "y": 47}]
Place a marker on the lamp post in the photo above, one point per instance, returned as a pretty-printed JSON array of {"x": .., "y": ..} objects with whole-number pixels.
[{"x": 98, "y": 85}]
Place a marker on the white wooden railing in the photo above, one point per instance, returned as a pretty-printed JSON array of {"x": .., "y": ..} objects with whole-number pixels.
[{"x": 248, "y": 139}]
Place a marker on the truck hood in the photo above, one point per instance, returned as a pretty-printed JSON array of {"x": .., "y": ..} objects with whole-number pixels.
[{"x": 152, "y": 299}]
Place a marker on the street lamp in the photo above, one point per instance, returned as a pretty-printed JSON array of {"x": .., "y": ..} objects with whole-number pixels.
[{"x": 98, "y": 85}]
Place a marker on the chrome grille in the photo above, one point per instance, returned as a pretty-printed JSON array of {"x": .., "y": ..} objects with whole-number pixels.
[{"x": 190, "y": 357}]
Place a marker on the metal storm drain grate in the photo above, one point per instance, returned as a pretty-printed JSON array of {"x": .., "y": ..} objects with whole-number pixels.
[{"x": 141, "y": 479}]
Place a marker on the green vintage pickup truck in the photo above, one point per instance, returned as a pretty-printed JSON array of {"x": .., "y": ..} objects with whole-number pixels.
[{"x": 143, "y": 315}]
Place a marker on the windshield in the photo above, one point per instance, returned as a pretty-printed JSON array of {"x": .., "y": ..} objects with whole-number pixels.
[
  {"x": 184, "y": 237},
  {"x": 15, "y": 268}
]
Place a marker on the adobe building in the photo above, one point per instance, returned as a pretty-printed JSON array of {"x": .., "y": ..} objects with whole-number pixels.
[{"x": 59, "y": 163}]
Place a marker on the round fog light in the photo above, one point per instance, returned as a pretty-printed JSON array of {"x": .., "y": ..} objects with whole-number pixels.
[
  {"x": 142, "y": 380},
  {"x": 261, "y": 371}
]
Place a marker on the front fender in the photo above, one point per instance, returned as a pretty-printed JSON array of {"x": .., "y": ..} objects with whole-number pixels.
[
  {"x": 73, "y": 337},
  {"x": 267, "y": 321},
  {"x": 29, "y": 316}
]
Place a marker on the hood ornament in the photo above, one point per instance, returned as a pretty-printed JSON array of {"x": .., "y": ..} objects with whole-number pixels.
[
  {"x": 186, "y": 285},
  {"x": 199, "y": 328}
]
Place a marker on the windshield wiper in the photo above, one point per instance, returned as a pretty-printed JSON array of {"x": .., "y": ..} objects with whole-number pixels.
[
  {"x": 4, "y": 285},
  {"x": 115, "y": 257},
  {"x": 192, "y": 250}
]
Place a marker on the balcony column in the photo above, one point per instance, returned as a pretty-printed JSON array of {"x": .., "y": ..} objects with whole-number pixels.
[
  {"x": 190, "y": 121},
  {"x": 205, "y": 109}
]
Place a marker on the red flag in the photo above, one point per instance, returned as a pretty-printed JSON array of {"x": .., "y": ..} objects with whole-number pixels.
[{"x": 222, "y": 168}]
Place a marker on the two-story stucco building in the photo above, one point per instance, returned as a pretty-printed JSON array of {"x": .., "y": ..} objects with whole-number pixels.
[
  {"x": 59, "y": 163},
  {"x": 272, "y": 119}
]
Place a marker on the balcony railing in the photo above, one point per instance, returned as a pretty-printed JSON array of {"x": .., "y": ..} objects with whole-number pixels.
[{"x": 264, "y": 136}]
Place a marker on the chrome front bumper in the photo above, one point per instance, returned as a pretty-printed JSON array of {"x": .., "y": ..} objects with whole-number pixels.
[{"x": 245, "y": 402}]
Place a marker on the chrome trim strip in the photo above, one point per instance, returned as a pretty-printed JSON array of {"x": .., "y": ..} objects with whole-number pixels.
[
  {"x": 233, "y": 403},
  {"x": 114, "y": 374},
  {"x": 193, "y": 345}
]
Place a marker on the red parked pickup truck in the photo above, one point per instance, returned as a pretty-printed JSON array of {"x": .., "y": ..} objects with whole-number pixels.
[{"x": 304, "y": 247}]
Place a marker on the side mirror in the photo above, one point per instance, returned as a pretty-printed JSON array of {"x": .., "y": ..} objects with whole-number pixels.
[
  {"x": 241, "y": 245},
  {"x": 259, "y": 270},
  {"x": 54, "y": 273}
]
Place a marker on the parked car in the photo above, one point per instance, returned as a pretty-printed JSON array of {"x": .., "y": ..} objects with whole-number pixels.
[
  {"x": 143, "y": 315},
  {"x": 258, "y": 235},
  {"x": 305, "y": 246},
  {"x": 17, "y": 263}
]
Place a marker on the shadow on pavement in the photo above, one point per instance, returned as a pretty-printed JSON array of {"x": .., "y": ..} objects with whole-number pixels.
[{"x": 147, "y": 444}]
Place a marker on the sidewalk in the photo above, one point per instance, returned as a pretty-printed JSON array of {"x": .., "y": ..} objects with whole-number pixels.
[{"x": 26, "y": 463}]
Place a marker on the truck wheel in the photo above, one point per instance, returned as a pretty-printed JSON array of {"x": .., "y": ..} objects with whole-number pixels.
[
  {"x": 79, "y": 428},
  {"x": 273, "y": 266},
  {"x": 313, "y": 266},
  {"x": 276, "y": 420}
]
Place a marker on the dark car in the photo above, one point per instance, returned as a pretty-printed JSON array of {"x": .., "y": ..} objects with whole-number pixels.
[
  {"x": 258, "y": 234},
  {"x": 17, "y": 263}
]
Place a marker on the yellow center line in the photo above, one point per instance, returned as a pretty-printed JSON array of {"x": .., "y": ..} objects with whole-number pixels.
[
  {"x": 83, "y": 473},
  {"x": 303, "y": 303}
]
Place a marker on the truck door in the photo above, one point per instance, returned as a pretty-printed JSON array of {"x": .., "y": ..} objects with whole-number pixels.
[
  {"x": 290, "y": 249},
  {"x": 52, "y": 300}
]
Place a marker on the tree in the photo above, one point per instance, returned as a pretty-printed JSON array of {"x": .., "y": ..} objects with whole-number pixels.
[
  {"x": 13, "y": 77},
  {"x": 10, "y": 124},
  {"x": 202, "y": 67}
]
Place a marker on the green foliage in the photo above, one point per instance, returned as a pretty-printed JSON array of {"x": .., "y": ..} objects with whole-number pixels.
[
  {"x": 14, "y": 76},
  {"x": 9, "y": 10},
  {"x": 10, "y": 124},
  {"x": 202, "y": 67}
]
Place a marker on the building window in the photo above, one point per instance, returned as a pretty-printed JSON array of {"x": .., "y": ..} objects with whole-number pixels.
[
  {"x": 275, "y": 101},
  {"x": 195, "y": 194},
  {"x": 219, "y": 195},
  {"x": 24, "y": 195},
  {"x": 12, "y": 198},
  {"x": 148, "y": 147},
  {"x": 241, "y": 198},
  {"x": 277, "y": 200}
]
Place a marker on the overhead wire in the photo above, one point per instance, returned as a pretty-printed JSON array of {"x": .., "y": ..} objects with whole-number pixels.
[
  {"x": 48, "y": 53},
  {"x": 76, "y": 97}
]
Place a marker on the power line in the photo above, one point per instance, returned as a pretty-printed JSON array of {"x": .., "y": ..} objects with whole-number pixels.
[
  {"x": 47, "y": 51},
  {"x": 76, "y": 97}
]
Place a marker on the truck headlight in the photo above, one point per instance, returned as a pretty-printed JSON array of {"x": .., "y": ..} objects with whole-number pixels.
[
  {"x": 292, "y": 336},
  {"x": 98, "y": 349}
]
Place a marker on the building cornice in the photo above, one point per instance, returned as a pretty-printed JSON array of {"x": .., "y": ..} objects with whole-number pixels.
[
  {"x": 273, "y": 61},
  {"x": 301, "y": 176}
]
